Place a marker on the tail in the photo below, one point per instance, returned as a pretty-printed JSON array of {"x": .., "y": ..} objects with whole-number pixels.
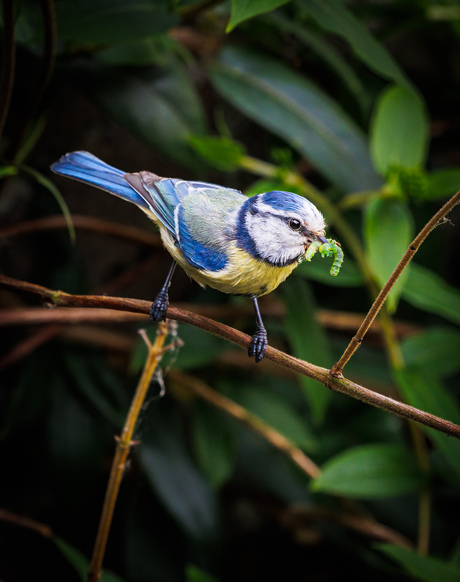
[{"x": 86, "y": 168}]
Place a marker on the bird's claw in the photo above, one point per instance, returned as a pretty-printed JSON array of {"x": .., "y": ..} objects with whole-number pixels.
[
  {"x": 258, "y": 344},
  {"x": 159, "y": 307}
]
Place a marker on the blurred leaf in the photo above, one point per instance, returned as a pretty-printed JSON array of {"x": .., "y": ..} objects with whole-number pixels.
[
  {"x": 319, "y": 270},
  {"x": 213, "y": 442},
  {"x": 388, "y": 232},
  {"x": 277, "y": 413},
  {"x": 295, "y": 109},
  {"x": 176, "y": 480},
  {"x": 77, "y": 438},
  {"x": 195, "y": 574},
  {"x": 221, "y": 152},
  {"x": 426, "y": 290},
  {"x": 244, "y": 9},
  {"x": 324, "y": 50},
  {"x": 370, "y": 471},
  {"x": 436, "y": 350},
  {"x": 426, "y": 392},
  {"x": 443, "y": 183},
  {"x": 79, "y": 561},
  {"x": 82, "y": 370},
  {"x": 154, "y": 547},
  {"x": 308, "y": 341},
  {"x": 112, "y": 21},
  {"x": 399, "y": 134},
  {"x": 335, "y": 17},
  {"x": 160, "y": 106},
  {"x": 140, "y": 52},
  {"x": 423, "y": 568}
]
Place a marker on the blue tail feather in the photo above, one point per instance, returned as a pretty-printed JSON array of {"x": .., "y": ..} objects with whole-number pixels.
[{"x": 87, "y": 168}]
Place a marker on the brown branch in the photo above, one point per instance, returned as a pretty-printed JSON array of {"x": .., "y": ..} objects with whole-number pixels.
[
  {"x": 437, "y": 219},
  {"x": 224, "y": 331},
  {"x": 105, "y": 227},
  {"x": 124, "y": 444},
  {"x": 279, "y": 441},
  {"x": 8, "y": 61}
]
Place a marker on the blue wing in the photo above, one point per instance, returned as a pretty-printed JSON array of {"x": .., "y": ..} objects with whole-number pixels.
[{"x": 200, "y": 207}]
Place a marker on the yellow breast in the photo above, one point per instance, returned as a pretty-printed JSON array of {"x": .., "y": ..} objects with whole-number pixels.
[{"x": 243, "y": 274}]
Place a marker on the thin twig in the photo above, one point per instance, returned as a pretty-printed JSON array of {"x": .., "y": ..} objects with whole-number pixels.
[
  {"x": 323, "y": 375},
  {"x": 124, "y": 444},
  {"x": 379, "y": 301},
  {"x": 279, "y": 441},
  {"x": 8, "y": 61}
]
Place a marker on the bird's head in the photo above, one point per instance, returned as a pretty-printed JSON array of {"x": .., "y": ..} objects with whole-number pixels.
[{"x": 278, "y": 227}]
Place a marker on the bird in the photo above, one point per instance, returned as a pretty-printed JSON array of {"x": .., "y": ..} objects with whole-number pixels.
[{"x": 220, "y": 237}]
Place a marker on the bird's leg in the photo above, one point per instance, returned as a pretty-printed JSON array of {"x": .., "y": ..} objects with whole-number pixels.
[
  {"x": 259, "y": 341},
  {"x": 160, "y": 305}
]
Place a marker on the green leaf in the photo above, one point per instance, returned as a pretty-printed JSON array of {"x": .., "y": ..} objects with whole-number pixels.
[
  {"x": 388, "y": 232},
  {"x": 399, "y": 134},
  {"x": 335, "y": 17},
  {"x": 443, "y": 183},
  {"x": 293, "y": 108},
  {"x": 213, "y": 442},
  {"x": 221, "y": 152},
  {"x": 319, "y": 270},
  {"x": 244, "y": 9},
  {"x": 176, "y": 480},
  {"x": 160, "y": 106},
  {"x": 195, "y": 574},
  {"x": 426, "y": 392},
  {"x": 435, "y": 350},
  {"x": 308, "y": 340},
  {"x": 426, "y": 290},
  {"x": 324, "y": 50},
  {"x": 370, "y": 471},
  {"x": 423, "y": 568},
  {"x": 79, "y": 561},
  {"x": 112, "y": 21},
  {"x": 277, "y": 413}
]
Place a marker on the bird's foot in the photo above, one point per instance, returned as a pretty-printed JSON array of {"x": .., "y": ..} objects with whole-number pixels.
[
  {"x": 159, "y": 306},
  {"x": 258, "y": 344}
]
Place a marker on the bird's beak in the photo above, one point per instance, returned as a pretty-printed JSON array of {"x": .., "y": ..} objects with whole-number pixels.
[{"x": 321, "y": 239}]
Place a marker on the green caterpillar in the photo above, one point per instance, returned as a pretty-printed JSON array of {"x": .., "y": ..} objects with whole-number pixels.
[{"x": 328, "y": 249}]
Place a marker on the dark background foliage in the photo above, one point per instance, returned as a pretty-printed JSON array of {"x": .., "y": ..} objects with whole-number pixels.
[{"x": 353, "y": 104}]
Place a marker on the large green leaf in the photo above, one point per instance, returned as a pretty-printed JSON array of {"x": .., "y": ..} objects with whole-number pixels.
[
  {"x": 399, "y": 136},
  {"x": 244, "y": 9},
  {"x": 295, "y": 109},
  {"x": 388, "y": 233},
  {"x": 335, "y": 17},
  {"x": 421, "y": 567},
  {"x": 112, "y": 21},
  {"x": 308, "y": 341},
  {"x": 426, "y": 392},
  {"x": 443, "y": 183},
  {"x": 426, "y": 290},
  {"x": 435, "y": 350},
  {"x": 370, "y": 471}
]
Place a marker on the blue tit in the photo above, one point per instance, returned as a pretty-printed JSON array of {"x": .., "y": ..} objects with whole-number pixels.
[{"x": 220, "y": 237}]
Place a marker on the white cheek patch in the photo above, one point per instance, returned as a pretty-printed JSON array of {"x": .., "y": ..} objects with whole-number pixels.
[{"x": 275, "y": 242}]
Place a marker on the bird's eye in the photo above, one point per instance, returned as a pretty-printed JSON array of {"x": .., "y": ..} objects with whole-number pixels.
[{"x": 294, "y": 224}]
